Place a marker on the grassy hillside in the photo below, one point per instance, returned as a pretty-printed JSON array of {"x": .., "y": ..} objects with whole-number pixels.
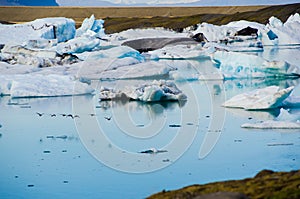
[
  {"x": 176, "y": 18},
  {"x": 266, "y": 184},
  {"x": 177, "y": 23}
]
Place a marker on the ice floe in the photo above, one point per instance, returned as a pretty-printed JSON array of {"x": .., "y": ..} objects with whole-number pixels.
[
  {"x": 156, "y": 91},
  {"x": 59, "y": 28},
  {"x": 274, "y": 33},
  {"x": 242, "y": 65},
  {"x": 272, "y": 124},
  {"x": 86, "y": 42},
  {"x": 42, "y": 86},
  {"x": 284, "y": 120},
  {"x": 264, "y": 98},
  {"x": 91, "y": 24}
]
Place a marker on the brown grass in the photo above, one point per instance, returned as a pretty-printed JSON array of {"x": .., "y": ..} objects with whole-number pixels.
[
  {"x": 23, "y": 14},
  {"x": 121, "y": 18}
]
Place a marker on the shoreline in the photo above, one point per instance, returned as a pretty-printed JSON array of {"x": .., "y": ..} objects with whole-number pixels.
[{"x": 265, "y": 184}]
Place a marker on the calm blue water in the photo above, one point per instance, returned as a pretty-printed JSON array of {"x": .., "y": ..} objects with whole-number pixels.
[{"x": 93, "y": 157}]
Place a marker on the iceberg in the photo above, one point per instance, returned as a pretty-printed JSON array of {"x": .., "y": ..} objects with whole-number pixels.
[
  {"x": 156, "y": 91},
  {"x": 86, "y": 42},
  {"x": 149, "y": 69},
  {"x": 29, "y": 85},
  {"x": 264, "y": 98},
  {"x": 241, "y": 65},
  {"x": 59, "y": 28},
  {"x": 274, "y": 33},
  {"x": 16, "y": 54},
  {"x": 272, "y": 124},
  {"x": 91, "y": 24},
  {"x": 113, "y": 53},
  {"x": 284, "y": 120},
  {"x": 286, "y": 33}
]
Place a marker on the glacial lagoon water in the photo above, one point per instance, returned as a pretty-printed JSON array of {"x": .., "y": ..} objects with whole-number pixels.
[{"x": 97, "y": 153}]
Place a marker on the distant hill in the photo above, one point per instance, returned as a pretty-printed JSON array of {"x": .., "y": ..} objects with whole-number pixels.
[{"x": 119, "y": 18}]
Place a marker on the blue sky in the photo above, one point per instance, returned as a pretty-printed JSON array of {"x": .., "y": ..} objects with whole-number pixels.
[{"x": 142, "y": 2}]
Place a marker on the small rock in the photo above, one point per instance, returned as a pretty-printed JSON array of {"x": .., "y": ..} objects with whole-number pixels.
[
  {"x": 174, "y": 125},
  {"x": 62, "y": 137}
]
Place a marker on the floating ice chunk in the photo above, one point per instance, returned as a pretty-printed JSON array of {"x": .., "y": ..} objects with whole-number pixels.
[
  {"x": 156, "y": 91},
  {"x": 58, "y": 28},
  {"x": 285, "y": 115},
  {"x": 273, "y": 124},
  {"x": 42, "y": 86},
  {"x": 91, "y": 24},
  {"x": 286, "y": 33},
  {"x": 149, "y": 69},
  {"x": 115, "y": 52},
  {"x": 241, "y": 65},
  {"x": 264, "y": 98},
  {"x": 16, "y": 54},
  {"x": 18, "y": 49},
  {"x": 214, "y": 33},
  {"x": 284, "y": 120},
  {"x": 40, "y": 43},
  {"x": 86, "y": 42}
]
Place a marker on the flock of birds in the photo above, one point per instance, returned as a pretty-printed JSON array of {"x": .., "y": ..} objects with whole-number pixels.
[{"x": 70, "y": 115}]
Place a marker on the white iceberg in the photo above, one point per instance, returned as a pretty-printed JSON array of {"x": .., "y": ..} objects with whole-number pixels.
[
  {"x": 242, "y": 65},
  {"x": 113, "y": 53},
  {"x": 149, "y": 69},
  {"x": 264, "y": 98},
  {"x": 86, "y": 42},
  {"x": 272, "y": 124},
  {"x": 59, "y": 28},
  {"x": 91, "y": 24},
  {"x": 284, "y": 120},
  {"x": 156, "y": 91},
  {"x": 274, "y": 33},
  {"x": 42, "y": 86},
  {"x": 17, "y": 54},
  {"x": 286, "y": 33}
]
